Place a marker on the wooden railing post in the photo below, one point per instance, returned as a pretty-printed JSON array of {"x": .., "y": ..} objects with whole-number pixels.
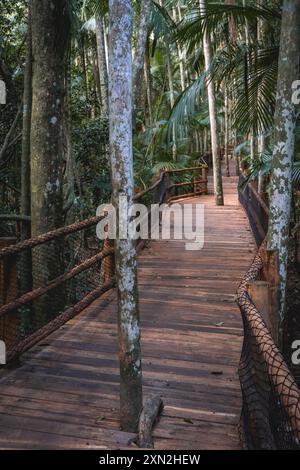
[
  {"x": 8, "y": 291},
  {"x": 271, "y": 275},
  {"x": 260, "y": 294},
  {"x": 168, "y": 184},
  {"x": 195, "y": 183},
  {"x": 204, "y": 179},
  {"x": 108, "y": 262}
]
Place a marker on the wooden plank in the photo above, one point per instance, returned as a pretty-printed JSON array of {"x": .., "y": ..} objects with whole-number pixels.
[{"x": 191, "y": 341}]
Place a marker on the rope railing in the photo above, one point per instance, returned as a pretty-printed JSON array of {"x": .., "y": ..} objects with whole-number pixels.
[
  {"x": 271, "y": 398},
  {"x": 49, "y": 278}
]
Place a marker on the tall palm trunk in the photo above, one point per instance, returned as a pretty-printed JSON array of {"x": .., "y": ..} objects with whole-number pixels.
[
  {"x": 139, "y": 57},
  {"x": 217, "y": 170},
  {"x": 180, "y": 50},
  {"x": 102, "y": 64},
  {"x": 284, "y": 141},
  {"x": 226, "y": 132},
  {"x": 147, "y": 73},
  {"x": 120, "y": 106}
]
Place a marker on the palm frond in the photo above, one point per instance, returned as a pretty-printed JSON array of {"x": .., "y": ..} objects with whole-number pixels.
[{"x": 195, "y": 24}]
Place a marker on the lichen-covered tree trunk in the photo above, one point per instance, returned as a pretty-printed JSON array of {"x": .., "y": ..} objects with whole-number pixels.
[
  {"x": 139, "y": 56},
  {"x": 50, "y": 41},
  {"x": 217, "y": 170},
  {"x": 120, "y": 106},
  {"x": 284, "y": 140},
  {"x": 102, "y": 64}
]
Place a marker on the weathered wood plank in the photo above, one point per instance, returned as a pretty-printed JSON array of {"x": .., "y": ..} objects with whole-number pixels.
[{"x": 65, "y": 393}]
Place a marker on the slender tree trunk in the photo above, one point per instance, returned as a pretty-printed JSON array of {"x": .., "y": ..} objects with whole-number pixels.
[
  {"x": 217, "y": 170},
  {"x": 139, "y": 57},
  {"x": 284, "y": 142},
  {"x": 261, "y": 178},
  {"x": 25, "y": 157},
  {"x": 226, "y": 132},
  {"x": 26, "y": 278},
  {"x": 180, "y": 50},
  {"x": 120, "y": 105},
  {"x": 261, "y": 31},
  {"x": 172, "y": 97},
  {"x": 102, "y": 65},
  {"x": 147, "y": 72},
  {"x": 84, "y": 68}
]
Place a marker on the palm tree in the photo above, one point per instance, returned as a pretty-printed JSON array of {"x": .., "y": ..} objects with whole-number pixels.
[{"x": 217, "y": 171}]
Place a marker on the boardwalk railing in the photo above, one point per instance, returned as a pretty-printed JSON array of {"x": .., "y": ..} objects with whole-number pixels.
[
  {"x": 271, "y": 398},
  {"x": 48, "y": 279},
  {"x": 257, "y": 210}
]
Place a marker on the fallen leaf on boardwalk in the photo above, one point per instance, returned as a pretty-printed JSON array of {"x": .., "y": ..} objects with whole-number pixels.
[
  {"x": 99, "y": 419},
  {"x": 220, "y": 324},
  {"x": 187, "y": 420}
]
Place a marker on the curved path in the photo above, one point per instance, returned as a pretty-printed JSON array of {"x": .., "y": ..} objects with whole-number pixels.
[{"x": 64, "y": 392}]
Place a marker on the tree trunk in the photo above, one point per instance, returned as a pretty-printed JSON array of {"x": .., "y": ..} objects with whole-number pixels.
[
  {"x": 226, "y": 132},
  {"x": 139, "y": 57},
  {"x": 25, "y": 157},
  {"x": 261, "y": 32},
  {"x": 26, "y": 278},
  {"x": 120, "y": 105},
  {"x": 217, "y": 170},
  {"x": 50, "y": 41},
  {"x": 180, "y": 50},
  {"x": 284, "y": 142},
  {"x": 147, "y": 73},
  {"x": 102, "y": 64}
]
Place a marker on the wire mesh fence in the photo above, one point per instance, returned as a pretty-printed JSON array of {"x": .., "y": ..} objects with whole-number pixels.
[
  {"x": 45, "y": 277},
  {"x": 271, "y": 398}
]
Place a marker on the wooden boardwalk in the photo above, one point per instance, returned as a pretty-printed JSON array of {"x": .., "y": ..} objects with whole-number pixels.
[{"x": 64, "y": 393}]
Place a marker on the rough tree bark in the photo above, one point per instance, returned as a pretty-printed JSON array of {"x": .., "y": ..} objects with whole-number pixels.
[
  {"x": 284, "y": 141},
  {"x": 120, "y": 106},
  {"x": 50, "y": 41},
  {"x": 217, "y": 170},
  {"x": 26, "y": 279},
  {"x": 139, "y": 57}
]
